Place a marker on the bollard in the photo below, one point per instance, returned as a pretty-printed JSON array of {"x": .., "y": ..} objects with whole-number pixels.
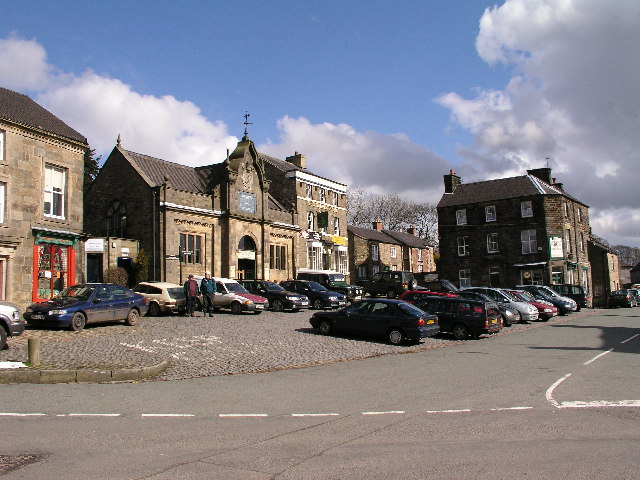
[{"x": 34, "y": 351}]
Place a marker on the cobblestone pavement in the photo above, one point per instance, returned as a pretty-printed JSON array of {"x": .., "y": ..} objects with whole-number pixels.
[{"x": 219, "y": 345}]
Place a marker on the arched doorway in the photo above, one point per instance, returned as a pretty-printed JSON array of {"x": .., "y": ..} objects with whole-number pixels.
[{"x": 246, "y": 259}]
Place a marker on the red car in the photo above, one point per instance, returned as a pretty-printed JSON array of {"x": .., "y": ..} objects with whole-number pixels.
[
  {"x": 412, "y": 296},
  {"x": 546, "y": 310}
]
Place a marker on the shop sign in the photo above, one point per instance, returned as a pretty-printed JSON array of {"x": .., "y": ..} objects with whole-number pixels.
[
  {"x": 338, "y": 240},
  {"x": 246, "y": 255},
  {"x": 555, "y": 247},
  {"x": 94, "y": 245},
  {"x": 57, "y": 241}
]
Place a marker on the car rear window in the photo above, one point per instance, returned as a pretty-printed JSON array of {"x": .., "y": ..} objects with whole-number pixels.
[
  {"x": 175, "y": 292},
  {"x": 410, "y": 309}
]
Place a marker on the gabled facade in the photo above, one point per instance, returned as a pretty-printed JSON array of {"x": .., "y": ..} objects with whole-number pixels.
[
  {"x": 512, "y": 231},
  {"x": 243, "y": 218},
  {"x": 41, "y": 178},
  {"x": 372, "y": 250}
]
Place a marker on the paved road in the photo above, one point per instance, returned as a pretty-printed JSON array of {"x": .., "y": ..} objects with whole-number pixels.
[{"x": 523, "y": 405}]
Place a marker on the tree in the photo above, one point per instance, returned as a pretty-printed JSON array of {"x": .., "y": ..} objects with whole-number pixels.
[
  {"x": 91, "y": 168},
  {"x": 141, "y": 267}
]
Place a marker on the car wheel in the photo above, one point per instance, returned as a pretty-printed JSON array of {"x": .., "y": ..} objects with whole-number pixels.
[
  {"x": 325, "y": 327},
  {"x": 154, "y": 310},
  {"x": 395, "y": 336},
  {"x": 578, "y": 308},
  {"x": 132, "y": 317},
  {"x": 277, "y": 305},
  {"x": 460, "y": 331},
  {"x": 317, "y": 304},
  {"x": 77, "y": 322},
  {"x": 294, "y": 310},
  {"x": 391, "y": 293},
  {"x": 3, "y": 338},
  {"x": 506, "y": 322},
  {"x": 236, "y": 308}
]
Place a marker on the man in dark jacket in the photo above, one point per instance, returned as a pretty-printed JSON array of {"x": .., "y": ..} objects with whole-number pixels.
[
  {"x": 191, "y": 292},
  {"x": 208, "y": 289}
]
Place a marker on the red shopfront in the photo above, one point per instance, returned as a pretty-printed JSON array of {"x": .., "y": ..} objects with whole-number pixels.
[{"x": 54, "y": 262}]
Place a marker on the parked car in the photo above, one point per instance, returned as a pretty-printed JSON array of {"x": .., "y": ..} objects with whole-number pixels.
[
  {"x": 509, "y": 314},
  {"x": 541, "y": 292},
  {"x": 87, "y": 303},
  {"x": 546, "y": 310},
  {"x": 279, "y": 298},
  {"x": 11, "y": 322},
  {"x": 162, "y": 297},
  {"x": 528, "y": 313},
  {"x": 575, "y": 292},
  {"x": 462, "y": 317},
  {"x": 636, "y": 292},
  {"x": 390, "y": 283},
  {"x": 334, "y": 281},
  {"x": 394, "y": 320},
  {"x": 230, "y": 294},
  {"x": 319, "y": 297},
  {"x": 623, "y": 298}
]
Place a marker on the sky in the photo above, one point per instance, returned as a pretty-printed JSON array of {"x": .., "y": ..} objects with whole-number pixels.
[{"x": 382, "y": 95}]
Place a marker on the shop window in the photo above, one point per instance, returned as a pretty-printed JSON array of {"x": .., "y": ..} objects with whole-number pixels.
[
  {"x": 314, "y": 257},
  {"x": 191, "y": 248},
  {"x": 531, "y": 277},
  {"x": 53, "y": 269},
  {"x": 54, "y": 187}
]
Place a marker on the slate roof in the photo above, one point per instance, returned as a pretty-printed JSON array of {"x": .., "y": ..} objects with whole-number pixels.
[
  {"x": 371, "y": 234},
  {"x": 20, "y": 109},
  {"x": 500, "y": 189},
  {"x": 407, "y": 239}
]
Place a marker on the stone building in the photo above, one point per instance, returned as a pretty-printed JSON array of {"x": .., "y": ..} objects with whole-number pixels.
[
  {"x": 372, "y": 250},
  {"x": 605, "y": 273},
  {"x": 41, "y": 178},
  {"x": 251, "y": 216},
  {"x": 511, "y": 231}
]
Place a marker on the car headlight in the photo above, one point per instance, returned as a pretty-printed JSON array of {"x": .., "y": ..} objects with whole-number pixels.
[
  {"x": 333, "y": 298},
  {"x": 57, "y": 312},
  {"x": 547, "y": 310}
]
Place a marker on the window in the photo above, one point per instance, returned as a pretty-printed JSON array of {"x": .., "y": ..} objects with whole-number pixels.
[
  {"x": 308, "y": 190},
  {"x": 565, "y": 205},
  {"x": 336, "y": 226},
  {"x": 191, "y": 248},
  {"x": 463, "y": 246},
  {"x": 492, "y": 243},
  {"x": 461, "y": 217},
  {"x": 394, "y": 268},
  {"x": 1, "y": 146},
  {"x": 526, "y": 209},
  {"x": 490, "y": 213},
  {"x": 335, "y": 198},
  {"x": 314, "y": 257},
  {"x": 277, "y": 257},
  {"x": 116, "y": 220},
  {"x": 420, "y": 268},
  {"x": 567, "y": 239},
  {"x": 392, "y": 252},
  {"x": 528, "y": 240},
  {"x": 374, "y": 253},
  {"x": 581, "y": 241},
  {"x": 323, "y": 195},
  {"x": 3, "y": 200},
  {"x": 494, "y": 277},
  {"x": 362, "y": 271},
  {"x": 531, "y": 277},
  {"x": 464, "y": 276},
  {"x": 419, "y": 254},
  {"x": 343, "y": 262},
  {"x": 54, "y": 185},
  {"x": 310, "y": 222},
  {"x": 579, "y": 213},
  {"x": 375, "y": 269}
]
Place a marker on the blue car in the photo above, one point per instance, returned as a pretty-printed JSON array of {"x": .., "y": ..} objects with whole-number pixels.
[{"x": 82, "y": 304}]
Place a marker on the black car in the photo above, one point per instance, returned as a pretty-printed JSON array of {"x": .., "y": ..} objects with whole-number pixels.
[
  {"x": 333, "y": 281},
  {"x": 87, "y": 303},
  {"x": 575, "y": 292},
  {"x": 389, "y": 283},
  {"x": 394, "y": 320},
  {"x": 279, "y": 298},
  {"x": 509, "y": 314},
  {"x": 623, "y": 298},
  {"x": 463, "y": 317},
  {"x": 319, "y": 297}
]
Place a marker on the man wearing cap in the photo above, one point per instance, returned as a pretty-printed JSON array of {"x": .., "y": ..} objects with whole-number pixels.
[
  {"x": 191, "y": 292},
  {"x": 208, "y": 289}
]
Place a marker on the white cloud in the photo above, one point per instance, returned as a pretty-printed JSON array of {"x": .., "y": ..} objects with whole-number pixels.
[
  {"x": 100, "y": 108},
  {"x": 574, "y": 97}
]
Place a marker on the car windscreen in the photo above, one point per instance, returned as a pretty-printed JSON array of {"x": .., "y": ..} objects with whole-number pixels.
[
  {"x": 273, "y": 287},
  {"x": 510, "y": 296},
  {"x": 176, "y": 292},
  {"x": 235, "y": 288},
  {"x": 316, "y": 286},
  {"x": 82, "y": 292},
  {"x": 526, "y": 296},
  {"x": 337, "y": 279}
]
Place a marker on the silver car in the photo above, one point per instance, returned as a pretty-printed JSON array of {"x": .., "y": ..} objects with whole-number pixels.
[{"x": 527, "y": 312}]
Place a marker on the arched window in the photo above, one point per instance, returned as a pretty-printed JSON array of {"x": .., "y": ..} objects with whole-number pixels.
[
  {"x": 247, "y": 243},
  {"x": 116, "y": 221}
]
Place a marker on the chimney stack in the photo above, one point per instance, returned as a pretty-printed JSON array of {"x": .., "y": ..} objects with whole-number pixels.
[
  {"x": 377, "y": 225},
  {"x": 451, "y": 181},
  {"x": 298, "y": 160},
  {"x": 412, "y": 230},
  {"x": 543, "y": 174}
]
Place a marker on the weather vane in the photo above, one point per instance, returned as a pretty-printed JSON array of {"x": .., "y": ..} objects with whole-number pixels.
[{"x": 246, "y": 123}]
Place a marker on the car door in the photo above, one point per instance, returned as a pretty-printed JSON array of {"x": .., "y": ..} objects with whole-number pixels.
[
  {"x": 381, "y": 317},
  {"x": 102, "y": 306},
  {"x": 222, "y": 298},
  {"x": 121, "y": 301},
  {"x": 353, "y": 319}
]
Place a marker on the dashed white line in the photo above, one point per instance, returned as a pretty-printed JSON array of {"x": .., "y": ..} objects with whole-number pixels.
[
  {"x": 510, "y": 408},
  {"x": 241, "y": 415},
  {"x": 449, "y": 411},
  {"x": 390, "y": 412},
  {"x": 630, "y": 338},
  {"x": 315, "y": 414},
  {"x": 600, "y": 403},
  {"x": 167, "y": 415},
  {"x": 597, "y": 357},
  {"x": 89, "y": 415},
  {"x": 10, "y": 414}
]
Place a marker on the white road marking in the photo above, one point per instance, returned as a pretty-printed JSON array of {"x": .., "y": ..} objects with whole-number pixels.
[
  {"x": 390, "y": 412},
  {"x": 167, "y": 415},
  {"x": 227, "y": 415},
  {"x": 9, "y": 414},
  {"x": 90, "y": 415},
  {"x": 600, "y": 403},
  {"x": 315, "y": 414},
  {"x": 597, "y": 357},
  {"x": 630, "y": 338},
  {"x": 510, "y": 408},
  {"x": 549, "y": 393},
  {"x": 449, "y": 411}
]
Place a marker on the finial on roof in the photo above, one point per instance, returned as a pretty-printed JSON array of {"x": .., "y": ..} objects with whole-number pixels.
[
  {"x": 246, "y": 123},
  {"x": 119, "y": 141}
]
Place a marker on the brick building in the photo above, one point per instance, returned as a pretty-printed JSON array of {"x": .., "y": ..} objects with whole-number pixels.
[
  {"x": 251, "y": 216},
  {"x": 605, "y": 273},
  {"x": 41, "y": 178},
  {"x": 511, "y": 231},
  {"x": 372, "y": 250}
]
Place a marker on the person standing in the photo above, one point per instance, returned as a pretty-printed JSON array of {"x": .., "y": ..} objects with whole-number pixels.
[
  {"x": 191, "y": 292},
  {"x": 208, "y": 289}
]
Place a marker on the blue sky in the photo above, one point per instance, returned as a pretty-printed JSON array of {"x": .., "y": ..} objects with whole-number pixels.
[{"x": 382, "y": 95}]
